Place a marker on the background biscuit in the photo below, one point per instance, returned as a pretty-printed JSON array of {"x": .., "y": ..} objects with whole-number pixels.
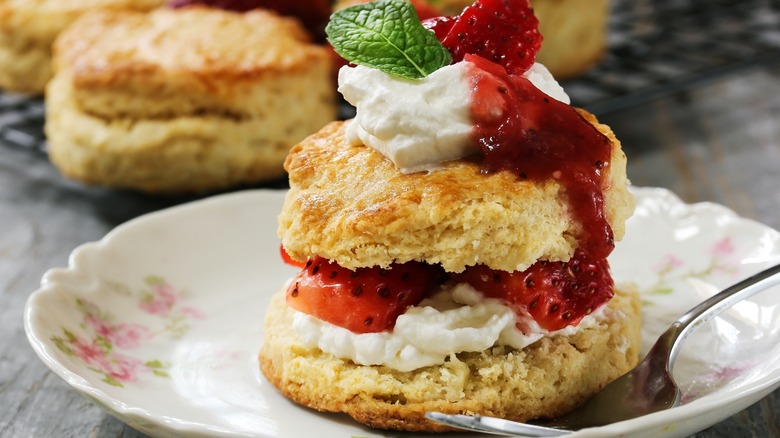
[
  {"x": 183, "y": 100},
  {"x": 191, "y": 61},
  {"x": 29, "y": 27},
  {"x": 574, "y": 31}
]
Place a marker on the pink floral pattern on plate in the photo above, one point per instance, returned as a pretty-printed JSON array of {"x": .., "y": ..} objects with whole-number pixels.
[
  {"x": 105, "y": 345},
  {"x": 671, "y": 267}
]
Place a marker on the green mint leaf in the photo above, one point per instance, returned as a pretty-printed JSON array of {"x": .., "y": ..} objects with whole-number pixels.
[{"x": 387, "y": 35}]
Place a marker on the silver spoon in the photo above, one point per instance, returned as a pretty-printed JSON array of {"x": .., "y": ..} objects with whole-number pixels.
[{"x": 647, "y": 388}]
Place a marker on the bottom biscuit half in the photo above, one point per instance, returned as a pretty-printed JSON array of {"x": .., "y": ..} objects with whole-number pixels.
[{"x": 547, "y": 379}]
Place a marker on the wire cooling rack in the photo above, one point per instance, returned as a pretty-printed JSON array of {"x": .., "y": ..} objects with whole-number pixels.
[
  {"x": 655, "y": 47},
  {"x": 658, "y": 47},
  {"x": 21, "y": 122}
]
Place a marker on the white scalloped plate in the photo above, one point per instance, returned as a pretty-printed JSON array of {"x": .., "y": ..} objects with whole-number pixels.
[{"x": 159, "y": 322}]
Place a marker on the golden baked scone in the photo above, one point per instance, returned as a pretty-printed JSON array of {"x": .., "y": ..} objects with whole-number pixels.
[
  {"x": 374, "y": 215},
  {"x": 29, "y": 27},
  {"x": 575, "y": 34},
  {"x": 547, "y": 378},
  {"x": 182, "y": 100},
  {"x": 574, "y": 31}
]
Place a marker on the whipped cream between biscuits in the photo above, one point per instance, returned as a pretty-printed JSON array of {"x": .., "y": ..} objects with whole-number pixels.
[{"x": 454, "y": 320}]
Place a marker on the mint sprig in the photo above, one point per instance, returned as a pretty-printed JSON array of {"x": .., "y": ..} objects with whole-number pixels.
[{"x": 387, "y": 35}]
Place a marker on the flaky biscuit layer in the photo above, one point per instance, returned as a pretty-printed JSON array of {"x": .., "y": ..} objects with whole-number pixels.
[{"x": 352, "y": 205}]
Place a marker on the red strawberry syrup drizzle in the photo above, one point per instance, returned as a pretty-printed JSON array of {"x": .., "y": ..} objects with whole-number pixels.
[{"x": 524, "y": 131}]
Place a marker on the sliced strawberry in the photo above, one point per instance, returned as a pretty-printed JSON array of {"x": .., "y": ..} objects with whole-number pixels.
[
  {"x": 312, "y": 13},
  {"x": 289, "y": 260},
  {"x": 555, "y": 294},
  {"x": 365, "y": 300},
  {"x": 502, "y": 31}
]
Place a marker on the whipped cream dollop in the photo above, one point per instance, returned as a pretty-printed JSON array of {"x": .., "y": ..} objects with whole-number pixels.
[
  {"x": 413, "y": 123},
  {"x": 419, "y": 124},
  {"x": 454, "y": 320}
]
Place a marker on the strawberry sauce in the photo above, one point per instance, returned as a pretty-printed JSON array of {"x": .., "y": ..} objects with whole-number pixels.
[{"x": 522, "y": 130}]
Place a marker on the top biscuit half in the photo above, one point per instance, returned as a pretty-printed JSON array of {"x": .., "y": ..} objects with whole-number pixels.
[{"x": 350, "y": 204}]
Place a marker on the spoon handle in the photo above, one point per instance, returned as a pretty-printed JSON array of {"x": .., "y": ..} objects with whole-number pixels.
[{"x": 715, "y": 305}]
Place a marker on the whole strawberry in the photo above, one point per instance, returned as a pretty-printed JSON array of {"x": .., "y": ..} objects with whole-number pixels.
[{"x": 502, "y": 31}]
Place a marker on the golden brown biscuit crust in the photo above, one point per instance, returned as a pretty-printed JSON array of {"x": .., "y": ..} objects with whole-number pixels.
[
  {"x": 546, "y": 379},
  {"x": 352, "y": 205},
  {"x": 29, "y": 27},
  {"x": 190, "y": 61}
]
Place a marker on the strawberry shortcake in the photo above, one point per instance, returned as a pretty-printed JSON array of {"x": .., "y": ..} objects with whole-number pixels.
[{"x": 452, "y": 237}]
